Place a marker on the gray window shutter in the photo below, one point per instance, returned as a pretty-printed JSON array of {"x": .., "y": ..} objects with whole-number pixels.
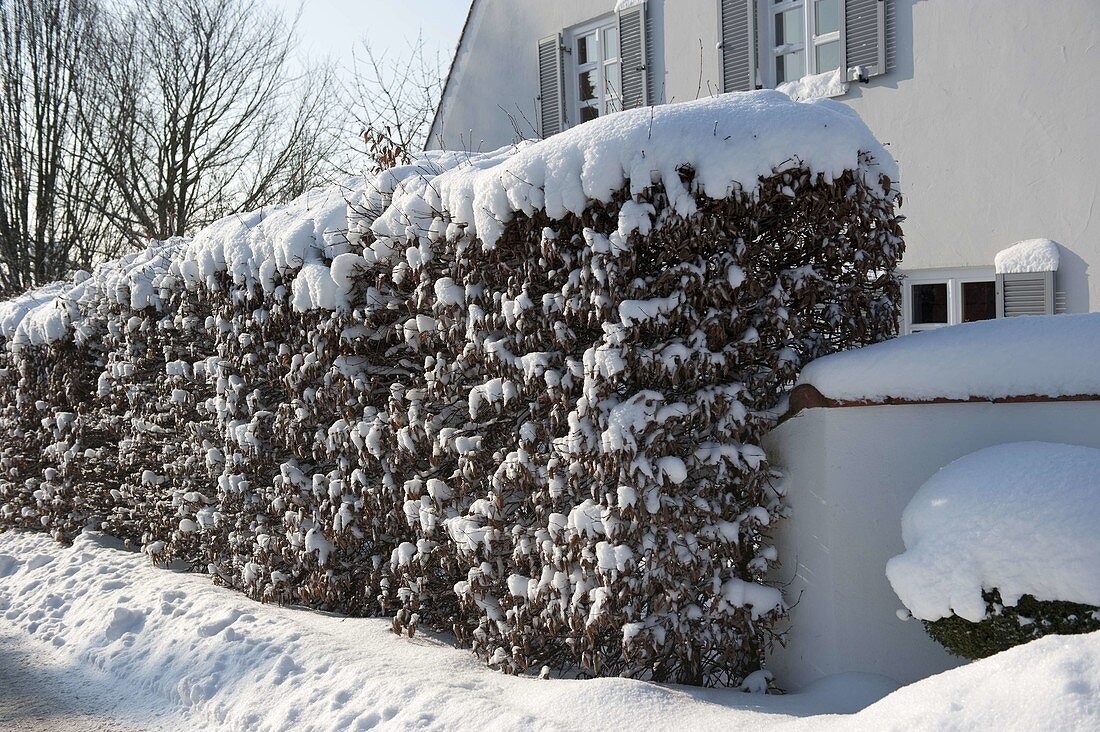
[
  {"x": 652, "y": 92},
  {"x": 551, "y": 99},
  {"x": 737, "y": 31},
  {"x": 865, "y": 38},
  {"x": 634, "y": 55},
  {"x": 1026, "y": 293},
  {"x": 891, "y": 33}
]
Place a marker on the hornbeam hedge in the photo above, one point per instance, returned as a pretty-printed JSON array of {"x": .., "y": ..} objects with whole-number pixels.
[{"x": 517, "y": 396}]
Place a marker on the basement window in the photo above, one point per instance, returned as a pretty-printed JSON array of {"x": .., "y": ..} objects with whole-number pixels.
[{"x": 936, "y": 298}]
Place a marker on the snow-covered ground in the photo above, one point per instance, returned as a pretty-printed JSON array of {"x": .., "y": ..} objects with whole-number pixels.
[{"x": 153, "y": 649}]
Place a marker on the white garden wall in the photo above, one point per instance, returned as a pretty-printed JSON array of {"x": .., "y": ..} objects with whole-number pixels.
[{"x": 852, "y": 470}]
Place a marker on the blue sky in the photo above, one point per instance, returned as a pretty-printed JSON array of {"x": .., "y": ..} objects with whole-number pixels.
[{"x": 335, "y": 27}]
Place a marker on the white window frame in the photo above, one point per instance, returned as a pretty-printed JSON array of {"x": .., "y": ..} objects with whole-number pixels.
[
  {"x": 954, "y": 279},
  {"x": 604, "y": 103},
  {"x": 767, "y": 10}
]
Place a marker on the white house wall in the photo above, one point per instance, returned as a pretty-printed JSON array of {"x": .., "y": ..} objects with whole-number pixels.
[
  {"x": 991, "y": 111},
  {"x": 496, "y": 63},
  {"x": 992, "y": 114},
  {"x": 851, "y": 472}
]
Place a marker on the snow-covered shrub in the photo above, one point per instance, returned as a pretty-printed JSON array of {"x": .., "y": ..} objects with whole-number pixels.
[
  {"x": 519, "y": 396},
  {"x": 1003, "y": 546},
  {"x": 1006, "y": 626}
]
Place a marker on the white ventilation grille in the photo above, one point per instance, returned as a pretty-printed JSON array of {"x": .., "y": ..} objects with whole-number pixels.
[
  {"x": 891, "y": 33},
  {"x": 652, "y": 92},
  {"x": 1027, "y": 293}
]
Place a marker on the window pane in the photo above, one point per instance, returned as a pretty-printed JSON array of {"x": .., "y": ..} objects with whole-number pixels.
[
  {"x": 828, "y": 56},
  {"x": 613, "y": 80},
  {"x": 790, "y": 27},
  {"x": 588, "y": 113},
  {"x": 585, "y": 47},
  {"x": 789, "y": 67},
  {"x": 826, "y": 16},
  {"x": 610, "y": 43},
  {"x": 979, "y": 301},
  {"x": 929, "y": 303},
  {"x": 586, "y": 87}
]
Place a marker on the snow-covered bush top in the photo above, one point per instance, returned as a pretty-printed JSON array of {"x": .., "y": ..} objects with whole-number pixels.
[
  {"x": 519, "y": 396},
  {"x": 1051, "y": 356},
  {"x": 1022, "y": 518},
  {"x": 730, "y": 142}
]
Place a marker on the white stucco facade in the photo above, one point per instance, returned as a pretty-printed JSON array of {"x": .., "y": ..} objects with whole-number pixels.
[
  {"x": 850, "y": 473},
  {"x": 989, "y": 109}
]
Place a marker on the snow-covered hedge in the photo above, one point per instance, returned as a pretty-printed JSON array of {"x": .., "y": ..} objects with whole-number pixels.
[
  {"x": 1003, "y": 546},
  {"x": 519, "y": 395}
]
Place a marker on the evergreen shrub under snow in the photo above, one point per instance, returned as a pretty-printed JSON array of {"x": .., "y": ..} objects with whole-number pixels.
[
  {"x": 519, "y": 396},
  {"x": 1007, "y": 626}
]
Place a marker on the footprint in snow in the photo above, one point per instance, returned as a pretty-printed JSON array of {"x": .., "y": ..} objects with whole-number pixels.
[
  {"x": 8, "y": 565},
  {"x": 39, "y": 560},
  {"x": 208, "y": 629},
  {"x": 124, "y": 621}
]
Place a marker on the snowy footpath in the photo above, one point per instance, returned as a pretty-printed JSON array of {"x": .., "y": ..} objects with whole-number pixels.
[
  {"x": 93, "y": 638},
  {"x": 41, "y": 691}
]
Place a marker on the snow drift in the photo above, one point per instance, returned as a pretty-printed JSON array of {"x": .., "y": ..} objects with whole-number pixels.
[
  {"x": 518, "y": 396},
  {"x": 199, "y": 656}
]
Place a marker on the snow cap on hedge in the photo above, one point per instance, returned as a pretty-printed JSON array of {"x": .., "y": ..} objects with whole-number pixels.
[{"x": 729, "y": 142}]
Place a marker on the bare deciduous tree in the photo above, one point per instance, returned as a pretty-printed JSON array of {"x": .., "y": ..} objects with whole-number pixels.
[
  {"x": 42, "y": 44},
  {"x": 202, "y": 115},
  {"x": 393, "y": 98}
]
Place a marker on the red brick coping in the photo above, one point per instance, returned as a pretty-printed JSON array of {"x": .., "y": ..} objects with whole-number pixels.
[{"x": 806, "y": 396}]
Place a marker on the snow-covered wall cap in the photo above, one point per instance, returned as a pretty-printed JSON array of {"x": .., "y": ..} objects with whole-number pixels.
[
  {"x": 1052, "y": 356},
  {"x": 1042, "y": 539},
  {"x": 730, "y": 141},
  {"x": 622, "y": 5},
  {"x": 1031, "y": 255}
]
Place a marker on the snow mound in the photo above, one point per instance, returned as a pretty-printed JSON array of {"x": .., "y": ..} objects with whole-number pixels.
[
  {"x": 45, "y": 315},
  {"x": 13, "y": 312},
  {"x": 212, "y": 654},
  {"x": 1033, "y": 255},
  {"x": 173, "y": 642},
  {"x": 1051, "y": 356},
  {"x": 1049, "y": 684},
  {"x": 1023, "y": 518}
]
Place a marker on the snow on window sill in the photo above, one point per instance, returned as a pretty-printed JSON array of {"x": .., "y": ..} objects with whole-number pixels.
[{"x": 816, "y": 86}]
